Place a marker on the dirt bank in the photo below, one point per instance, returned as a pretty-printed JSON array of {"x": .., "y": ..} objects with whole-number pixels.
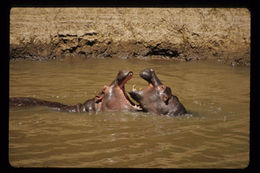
[{"x": 171, "y": 33}]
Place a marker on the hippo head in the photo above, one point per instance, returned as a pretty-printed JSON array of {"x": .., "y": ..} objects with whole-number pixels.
[
  {"x": 157, "y": 98},
  {"x": 114, "y": 97}
]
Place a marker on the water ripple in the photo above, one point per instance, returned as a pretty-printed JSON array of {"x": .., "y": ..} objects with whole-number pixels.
[{"x": 214, "y": 135}]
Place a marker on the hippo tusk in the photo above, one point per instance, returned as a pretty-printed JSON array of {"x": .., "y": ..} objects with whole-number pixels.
[{"x": 133, "y": 88}]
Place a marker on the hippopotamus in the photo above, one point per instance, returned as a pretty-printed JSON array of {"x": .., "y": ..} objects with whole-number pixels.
[
  {"x": 111, "y": 98},
  {"x": 157, "y": 98}
]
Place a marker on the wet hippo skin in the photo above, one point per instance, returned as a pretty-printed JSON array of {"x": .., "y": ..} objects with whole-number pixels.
[
  {"x": 111, "y": 98},
  {"x": 157, "y": 98}
]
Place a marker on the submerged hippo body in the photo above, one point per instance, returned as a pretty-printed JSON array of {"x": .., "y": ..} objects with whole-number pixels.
[
  {"x": 157, "y": 98},
  {"x": 111, "y": 98},
  {"x": 88, "y": 106}
]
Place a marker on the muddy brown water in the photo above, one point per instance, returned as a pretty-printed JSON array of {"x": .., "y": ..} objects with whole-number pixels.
[{"x": 214, "y": 135}]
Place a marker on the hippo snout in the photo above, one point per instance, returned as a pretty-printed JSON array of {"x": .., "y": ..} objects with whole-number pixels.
[
  {"x": 150, "y": 76},
  {"x": 147, "y": 74}
]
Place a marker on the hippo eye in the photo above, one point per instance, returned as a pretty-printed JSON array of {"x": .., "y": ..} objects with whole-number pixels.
[
  {"x": 98, "y": 98},
  {"x": 161, "y": 87}
]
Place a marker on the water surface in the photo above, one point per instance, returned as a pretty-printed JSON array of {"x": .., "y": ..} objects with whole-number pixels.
[{"x": 214, "y": 135}]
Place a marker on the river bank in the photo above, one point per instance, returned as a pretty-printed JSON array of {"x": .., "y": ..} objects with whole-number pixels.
[{"x": 181, "y": 34}]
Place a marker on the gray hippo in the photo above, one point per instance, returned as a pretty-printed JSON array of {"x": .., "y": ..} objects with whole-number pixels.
[
  {"x": 111, "y": 98},
  {"x": 157, "y": 98}
]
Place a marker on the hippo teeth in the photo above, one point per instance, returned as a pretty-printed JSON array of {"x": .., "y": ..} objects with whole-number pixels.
[
  {"x": 137, "y": 107},
  {"x": 133, "y": 88}
]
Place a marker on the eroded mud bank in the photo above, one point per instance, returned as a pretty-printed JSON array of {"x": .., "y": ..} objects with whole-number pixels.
[{"x": 171, "y": 33}]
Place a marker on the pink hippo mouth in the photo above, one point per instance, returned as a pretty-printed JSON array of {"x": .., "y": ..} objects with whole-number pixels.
[{"x": 123, "y": 81}]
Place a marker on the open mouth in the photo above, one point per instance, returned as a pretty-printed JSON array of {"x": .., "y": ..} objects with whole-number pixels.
[
  {"x": 127, "y": 78},
  {"x": 153, "y": 83},
  {"x": 122, "y": 87}
]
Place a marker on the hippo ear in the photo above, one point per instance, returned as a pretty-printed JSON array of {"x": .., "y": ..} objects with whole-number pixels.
[
  {"x": 100, "y": 96},
  {"x": 105, "y": 89},
  {"x": 165, "y": 98}
]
